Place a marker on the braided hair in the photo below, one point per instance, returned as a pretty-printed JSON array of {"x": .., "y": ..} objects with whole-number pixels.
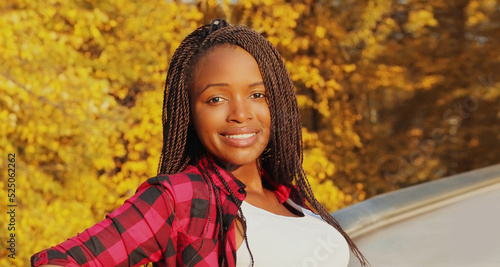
[{"x": 282, "y": 158}]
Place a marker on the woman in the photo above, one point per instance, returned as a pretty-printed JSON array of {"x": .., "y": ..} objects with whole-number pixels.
[{"x": 230, "y": 189}]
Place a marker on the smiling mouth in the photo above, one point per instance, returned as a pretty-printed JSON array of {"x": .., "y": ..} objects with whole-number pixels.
[{"x": 240, "y": 136}]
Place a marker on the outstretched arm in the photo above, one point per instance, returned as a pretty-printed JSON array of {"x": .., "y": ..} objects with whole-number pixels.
[{"x": 134, "y": 234}]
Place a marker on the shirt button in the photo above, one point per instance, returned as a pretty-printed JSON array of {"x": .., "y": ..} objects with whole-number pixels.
[{"x": 241, "y": 191}]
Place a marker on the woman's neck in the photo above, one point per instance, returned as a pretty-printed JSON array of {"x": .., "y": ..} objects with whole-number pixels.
[{"x": 249, "y": 175}]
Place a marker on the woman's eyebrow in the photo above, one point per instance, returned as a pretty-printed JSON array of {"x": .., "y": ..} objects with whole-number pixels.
[
  {"x": 212, "y": 85},
  {"x": 256, "y": 84}
]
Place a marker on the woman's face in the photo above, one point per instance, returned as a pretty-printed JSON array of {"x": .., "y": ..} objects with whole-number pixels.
[{"x": 229, "y": 108}]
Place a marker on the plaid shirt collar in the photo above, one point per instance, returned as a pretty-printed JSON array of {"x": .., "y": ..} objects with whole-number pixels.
[{"x": 282, "y": 192}]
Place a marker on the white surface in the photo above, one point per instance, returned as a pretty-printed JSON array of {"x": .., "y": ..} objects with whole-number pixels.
[
  {"x": 281, "y": 241},
  {"x": 463, "y": 233}
]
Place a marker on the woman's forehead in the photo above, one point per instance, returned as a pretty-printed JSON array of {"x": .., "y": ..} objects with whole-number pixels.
[{"x": 230, "y": 66}]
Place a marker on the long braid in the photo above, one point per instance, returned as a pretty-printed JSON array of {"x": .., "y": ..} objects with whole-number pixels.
[
  {"x": 282, "y": 158},
  {"x": 176, "y": 111},
  {"x": 240, "y": 212},
  {"x": 220, "y": 213}
]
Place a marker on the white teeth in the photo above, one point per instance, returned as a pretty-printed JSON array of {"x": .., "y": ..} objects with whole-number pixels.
[{"x": 240, "y": 136}]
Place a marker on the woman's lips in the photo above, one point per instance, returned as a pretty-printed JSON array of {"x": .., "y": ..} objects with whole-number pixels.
[
  {"x": 240, "y": 139},
  {"x": 240, "y": 136}
]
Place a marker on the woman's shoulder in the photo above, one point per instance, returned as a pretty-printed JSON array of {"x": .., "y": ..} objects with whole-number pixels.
[
  {"x": 189, "y": 175},
  {"x": 290, "y": 191},
  {"x": 188, "y": 181}
]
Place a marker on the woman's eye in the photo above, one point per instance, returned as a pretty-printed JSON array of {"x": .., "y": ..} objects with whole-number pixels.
[
  {"x": 258, "y": 95},
  {"x": 215, "y": 100}
]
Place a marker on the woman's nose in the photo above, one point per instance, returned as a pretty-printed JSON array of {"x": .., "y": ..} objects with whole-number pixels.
[{"x": 239, "y": 111}]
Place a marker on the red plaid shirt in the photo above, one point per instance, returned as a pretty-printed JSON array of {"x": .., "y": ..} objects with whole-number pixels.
[{"x": 166, "y": 222}]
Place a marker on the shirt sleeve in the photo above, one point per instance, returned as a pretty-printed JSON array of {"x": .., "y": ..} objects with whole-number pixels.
[{"x": 134, "y": 234}]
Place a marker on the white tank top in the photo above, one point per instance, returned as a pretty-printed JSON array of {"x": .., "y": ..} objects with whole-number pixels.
[{"x": 277, "y": 240}]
